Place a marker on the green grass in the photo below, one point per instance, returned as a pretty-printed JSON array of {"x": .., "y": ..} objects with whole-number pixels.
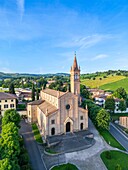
[
  {"x": 51, "y": 151},
  {"x": 36, "y": 132},
  {"x": 115, "y": 85},
  {"x": 99, "y": 83},
  {"x": 116, "y": 116},
  {"x": 117, "y": 158},
  {"x": 65, "y": 167},
  {"x": 110, "y": 139}
]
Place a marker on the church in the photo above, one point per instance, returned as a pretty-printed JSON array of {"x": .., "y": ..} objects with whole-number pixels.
[{"x": 59, "y": 112}]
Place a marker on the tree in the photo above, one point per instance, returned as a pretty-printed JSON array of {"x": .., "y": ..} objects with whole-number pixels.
[
  {"x": 122, "y": 105},
  {"x": 110, "y": 104},
  {"x": 11, "y": 115},
  {"x": 103, "y": 119},
  {"x": 84, "y": 92},
  {"x": 37, "y": 94},
  {"x": 10, "y": 147},
  {"x": 33, "y": 92},
  {"x": 120, "y": 93},
  {"x": 11, "y": 88},
  {"x": 5, "y": 164}
]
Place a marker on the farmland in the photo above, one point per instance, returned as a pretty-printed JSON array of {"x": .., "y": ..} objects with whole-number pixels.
[
  {"x": 104, "y": 83},
  {"x": 114, "y": 85}
]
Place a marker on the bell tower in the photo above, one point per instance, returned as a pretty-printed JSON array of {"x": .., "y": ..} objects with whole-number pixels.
[{"x": 75, "y": 78}]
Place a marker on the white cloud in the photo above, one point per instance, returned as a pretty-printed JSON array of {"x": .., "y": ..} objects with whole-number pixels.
[
  {"x": 85, "y": 42},
  {"x": 20, "y": 4},
  {"x": 100, "y": 56}
]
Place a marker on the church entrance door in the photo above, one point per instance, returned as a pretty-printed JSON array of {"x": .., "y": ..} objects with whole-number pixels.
[{"x": 68, "y": 127}]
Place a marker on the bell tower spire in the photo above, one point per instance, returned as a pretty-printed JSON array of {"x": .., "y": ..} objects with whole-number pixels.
[{"x": 75, "y": 77}]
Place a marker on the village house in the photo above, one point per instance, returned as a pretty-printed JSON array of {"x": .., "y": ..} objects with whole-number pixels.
[{"x": 7, "y": 101}]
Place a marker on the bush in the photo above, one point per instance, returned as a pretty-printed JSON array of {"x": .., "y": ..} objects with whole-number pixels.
[
  {"x": 118, "y": 167},
  {"x": 108, "y": 154}
]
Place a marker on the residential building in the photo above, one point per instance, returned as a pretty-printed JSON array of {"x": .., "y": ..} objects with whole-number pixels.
[
  {"x": 123, "y": 121},
  {"x": 7, "y": 101},
  {"x": 59, "y": 112}
]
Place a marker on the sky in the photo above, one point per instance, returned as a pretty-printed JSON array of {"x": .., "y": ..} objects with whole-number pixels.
[{"x": 41, "y": 36}]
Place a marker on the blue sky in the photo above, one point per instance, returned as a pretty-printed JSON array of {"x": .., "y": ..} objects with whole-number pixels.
[{"x": 40, "y": 36}]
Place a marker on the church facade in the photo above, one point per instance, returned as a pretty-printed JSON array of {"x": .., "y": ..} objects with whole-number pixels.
[{"x": 59, "y": 112}]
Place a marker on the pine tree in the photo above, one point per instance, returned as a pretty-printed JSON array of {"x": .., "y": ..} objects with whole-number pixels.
[
  {"x": 11, "y": 89},
  {"x": 33, "y": 92}
]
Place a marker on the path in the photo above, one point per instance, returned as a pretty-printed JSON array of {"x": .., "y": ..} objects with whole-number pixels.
[{"x": 32, "y": 147}]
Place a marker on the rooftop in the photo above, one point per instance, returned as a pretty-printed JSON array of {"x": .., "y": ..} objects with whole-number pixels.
[
  {"x": 47, "y": 108},
  {"x": 4, "y": 96},
  {"x": 54, "y": 93},
  {"x": 36, "y": 102}
]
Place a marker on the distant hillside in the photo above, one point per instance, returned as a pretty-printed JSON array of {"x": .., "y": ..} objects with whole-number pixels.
[
  {"x": 100, "y": 81},
  {"x": 113, "y": 86},
  {"x": 17, "y": 75}
]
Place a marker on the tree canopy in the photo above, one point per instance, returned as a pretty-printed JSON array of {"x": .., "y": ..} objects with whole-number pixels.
[
  {"x": 103, "y": 119},
  {"x": 11, "y": 115},
  {"x": 120, "y": 93},
  {"x": 110, "y": 104},
  {"x": 122, "y": 105},
  {"x": 11, "y": 88}
]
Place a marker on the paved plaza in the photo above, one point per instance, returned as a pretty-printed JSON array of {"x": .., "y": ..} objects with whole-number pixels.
[{"x": 86, "y": 159}]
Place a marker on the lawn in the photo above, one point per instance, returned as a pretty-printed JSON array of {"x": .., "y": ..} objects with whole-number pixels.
[
  {"x": 116, "y": 116},
  {"x": 36, "y": 132},
  {"x": 99, "y": 83},
  {"x": 116, "y": 158},
  {"x": 110, "y": 139},
  {"x": 115, "y": 85},
  {"x": 65, "y": 167}
]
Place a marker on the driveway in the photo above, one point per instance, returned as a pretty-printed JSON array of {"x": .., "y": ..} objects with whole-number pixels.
[
  {"x": 120, "y": 137},
  {"x": 32, "y": 147}
]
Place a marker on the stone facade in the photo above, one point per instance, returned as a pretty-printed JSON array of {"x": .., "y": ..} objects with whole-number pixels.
[
  {"x": 59, "y": 112},
  {"x": 7, "y": 101},
  {"x": 123, "y": 121}
]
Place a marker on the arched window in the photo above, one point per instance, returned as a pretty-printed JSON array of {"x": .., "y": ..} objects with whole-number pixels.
[
  {"x": 53, "y": 131},
  {"x": 81, "y": 126}
]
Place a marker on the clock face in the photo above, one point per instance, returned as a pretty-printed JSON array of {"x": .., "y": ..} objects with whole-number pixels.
[{"x": 67, "y": 106}]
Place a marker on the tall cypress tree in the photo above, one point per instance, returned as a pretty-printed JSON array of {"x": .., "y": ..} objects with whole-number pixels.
[
  {"x": 37, "y": 94},
  {"x": 11, "y": 88},
  {"x": 33, "y": 92}
]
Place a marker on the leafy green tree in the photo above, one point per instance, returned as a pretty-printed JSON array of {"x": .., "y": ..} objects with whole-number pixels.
[
  {"x": 84, "y": 92},
  {"x": 122, "y": 105},
  {"x": 33, "y": 92},
  {"x": 103, "y": 119},
  {"x": 5, "y": 164},
  {"x": 10, "y": 147},
  {"x": 11, "y": 115},
  {"x": 37, "y": 94},
  {"x": 110, "y": 104},
  {"x": 11, "y": 88},
  {"x": 120, "y": 93}
]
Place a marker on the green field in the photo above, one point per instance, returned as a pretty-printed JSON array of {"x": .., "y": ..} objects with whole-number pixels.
[
  {"x": 113, "y": 86},
  {"x": 97, "y": 83},
  {"x": 117, "y": 158}
]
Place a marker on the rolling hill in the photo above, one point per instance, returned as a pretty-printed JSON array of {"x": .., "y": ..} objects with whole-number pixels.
[
  {"x": 114, "y": 85},
  {"x": 98, "y": 83}
]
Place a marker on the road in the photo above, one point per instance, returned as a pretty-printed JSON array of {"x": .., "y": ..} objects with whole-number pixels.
[
  {"x": 31, "y": 146},
  {"x": 120, "y": 137}
]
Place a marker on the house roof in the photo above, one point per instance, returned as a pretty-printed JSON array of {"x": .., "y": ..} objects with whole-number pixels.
[
  {"x": 4, "y": 96},
  {"x": 82, "y": 110},
  {"x": 54, "y": 93},
  {"x": 36, "y": 102},
  {"x": 47, "y": 108}
]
